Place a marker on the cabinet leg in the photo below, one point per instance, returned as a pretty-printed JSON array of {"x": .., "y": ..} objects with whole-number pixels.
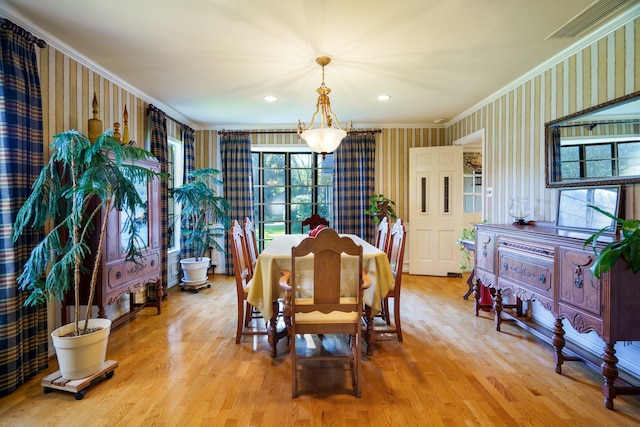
[
  {"x": 609, "y": 370},
  {"x": 476, "y": 295},
  {"x": 470, "y": 282},
  {"x": 558, "y": 344},
  {"x": 159, "y": 295},
  {"x": 497, "y": 307}
]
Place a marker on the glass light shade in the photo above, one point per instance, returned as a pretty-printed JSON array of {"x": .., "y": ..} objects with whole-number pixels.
[
  {"x": 323, "y": 140},
  {"x": 519, "y": 210}
]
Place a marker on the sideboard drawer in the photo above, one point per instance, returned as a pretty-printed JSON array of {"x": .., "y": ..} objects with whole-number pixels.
[{"x": 531, "y": 273}]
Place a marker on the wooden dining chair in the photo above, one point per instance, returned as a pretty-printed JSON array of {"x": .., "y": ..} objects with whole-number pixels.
[
  {"x": 252, "y": 243},
  {"x": 315, "y": 220},
  {"x": 243, "y": 274},
  {"x": 323, "y": 296},
  {"x": 396, "y": 258},
  {"x": 382, "y": 235}
]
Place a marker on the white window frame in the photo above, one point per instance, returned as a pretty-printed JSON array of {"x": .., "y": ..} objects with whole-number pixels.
[{"x": 177, "y": 147}]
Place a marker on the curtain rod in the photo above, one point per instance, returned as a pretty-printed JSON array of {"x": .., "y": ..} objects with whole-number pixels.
[
  {"x": 22, "y": 32},
  {"x": 591, "y": 125},
  {"x": 257, "y": 132},
  {"x": 154, "y": 108}
]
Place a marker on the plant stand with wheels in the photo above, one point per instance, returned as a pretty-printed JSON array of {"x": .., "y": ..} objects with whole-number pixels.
[
  {"x": 78, "y": 387},
  {"x": 195, "y": 286}
]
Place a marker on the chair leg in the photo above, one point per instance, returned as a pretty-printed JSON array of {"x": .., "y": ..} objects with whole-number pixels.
[
  {"x": 294, "y": 368},
  {"x": 248, "y": 310},
  {"x": 240, "y": 320},
  {"x": 396, "y": 316},
  {"x": 356, "y": 363},
  {"x": 385, "y": 308}
]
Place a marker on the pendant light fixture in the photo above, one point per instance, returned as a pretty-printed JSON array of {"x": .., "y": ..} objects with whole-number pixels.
[{"x": 325, "y": 138}]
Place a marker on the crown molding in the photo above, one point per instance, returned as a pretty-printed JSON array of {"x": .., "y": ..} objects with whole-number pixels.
[
  {"x": 617, "y": 22},
  {"x": 78, "y": 57}
]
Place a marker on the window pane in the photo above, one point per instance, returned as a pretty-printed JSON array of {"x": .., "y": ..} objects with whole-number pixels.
[
  {"x": 570, "y": 170},
  {"x": 629, "y": 158},
  {"x": 468, "y": 184},
  {"x": 599, "y": 168},
  {"x": 274, "y": 204},
  {"x": 598, "y": 151},
  {"x": 570, "y": 153},
  {"x": 468, "y": 204}
]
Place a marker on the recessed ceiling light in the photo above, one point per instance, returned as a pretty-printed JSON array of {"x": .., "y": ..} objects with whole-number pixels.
[
  {"x": 383, "y": 97},
  {"x": 440, "y": 121},
  {"x": 270, "y": 98}
]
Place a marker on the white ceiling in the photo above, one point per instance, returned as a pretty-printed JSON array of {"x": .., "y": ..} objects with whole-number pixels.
[{"x": 210, "y": 62}]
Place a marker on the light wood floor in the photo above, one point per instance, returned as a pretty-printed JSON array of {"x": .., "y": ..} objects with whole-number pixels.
[{"x": 182, "y": 368}]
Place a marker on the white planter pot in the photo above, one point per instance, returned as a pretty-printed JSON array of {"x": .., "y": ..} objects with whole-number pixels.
[
  {"x": 81, "y": 356},
  {"x": 195, "y": 271}
]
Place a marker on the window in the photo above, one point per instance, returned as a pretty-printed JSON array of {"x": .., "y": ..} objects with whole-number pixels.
[
  {"x": 175, "y": 168},
  {"x": 598, "y": 158},
  {"x": 472, "y": 193},
  {"x": 289, "y": 187}
]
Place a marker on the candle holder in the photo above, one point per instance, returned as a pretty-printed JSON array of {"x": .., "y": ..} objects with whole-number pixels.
[{"x": 519, "y": 210}]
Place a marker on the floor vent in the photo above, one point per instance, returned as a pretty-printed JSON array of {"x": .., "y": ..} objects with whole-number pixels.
[{"x": 586, "y": 19}]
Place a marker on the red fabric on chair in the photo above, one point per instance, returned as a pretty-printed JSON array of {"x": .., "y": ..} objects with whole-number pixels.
[{"x": 316, "y": 230}]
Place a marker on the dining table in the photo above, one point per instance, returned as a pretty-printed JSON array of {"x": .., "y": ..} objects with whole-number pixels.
[{"x": 265, "y": 291}]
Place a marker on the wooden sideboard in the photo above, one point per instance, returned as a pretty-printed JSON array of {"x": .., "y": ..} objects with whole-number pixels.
[
  {"x": 118, "y": 276},
  {"x": 550, "y": 265}
]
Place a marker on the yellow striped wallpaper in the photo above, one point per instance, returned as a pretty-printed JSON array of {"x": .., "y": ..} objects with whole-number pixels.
[{"x": 513, "y": 123}]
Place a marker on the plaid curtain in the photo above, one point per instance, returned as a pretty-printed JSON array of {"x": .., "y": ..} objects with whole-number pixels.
[
  {"x": 23, "y": 330},
  {"x": 160, "y": 148},
  {"x": 188, "y": 141},
  {"x": 237, "y": 174},
  {"x": 353, "y": 185},
  {"x": 555, "y": 156}
]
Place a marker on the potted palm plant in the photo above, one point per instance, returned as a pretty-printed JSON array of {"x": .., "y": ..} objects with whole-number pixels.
[
  {"x": 80, "y": 182},
  {"x": 204, "y": 220},
  {"x": 381, "y": 206},
  {"x": 628, "y": 247}
]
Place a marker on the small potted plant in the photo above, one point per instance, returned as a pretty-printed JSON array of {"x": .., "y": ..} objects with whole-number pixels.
[
  {"x": 81, "y": 181},
  {"x": 628, "y": 247},
  {"x": 466, "y": 261},
  {"x": 381, "y": 206},
  {"x": 204, "y": 220}
]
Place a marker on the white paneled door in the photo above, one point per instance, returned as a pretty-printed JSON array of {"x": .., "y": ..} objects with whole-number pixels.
[{"x": 435, "y": 209}]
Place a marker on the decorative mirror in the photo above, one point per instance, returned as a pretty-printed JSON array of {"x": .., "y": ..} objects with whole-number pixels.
[
  {"x": 138, "y": 221},
  {"x": 574, "y": 209},
  {"x": 597, "y": 146}
]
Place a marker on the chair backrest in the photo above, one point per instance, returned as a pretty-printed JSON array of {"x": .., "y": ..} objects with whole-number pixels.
[
  {"x": 315, "y": 220},
  {"x": 337, "y": 279},
  {"x": 396, "y": 250},
  {"x": 252, "y": 243},
  {"x": 382, "y": 235},
  {"x": 241, "y": 266}
]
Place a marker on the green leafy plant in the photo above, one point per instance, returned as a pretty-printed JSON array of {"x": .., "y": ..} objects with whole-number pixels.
[
  {"x": 80, "y": 181},
  {"x": 628, "y": 247},
  {"x": 466, "y": 260},
  {"x": 380, "y": 206},
  {"x": 204, "y": 212}
]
